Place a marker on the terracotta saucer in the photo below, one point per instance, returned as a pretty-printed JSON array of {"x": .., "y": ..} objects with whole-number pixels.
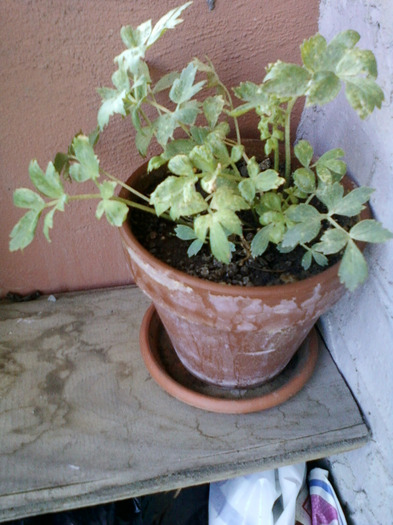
[{"x": 167, "y": 370}]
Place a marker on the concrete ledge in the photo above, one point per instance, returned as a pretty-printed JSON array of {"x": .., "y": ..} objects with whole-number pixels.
[{"x": 82, "y": 422}]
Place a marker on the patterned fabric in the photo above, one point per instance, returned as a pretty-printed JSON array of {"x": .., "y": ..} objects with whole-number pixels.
[{"x": 325, "y": 507}]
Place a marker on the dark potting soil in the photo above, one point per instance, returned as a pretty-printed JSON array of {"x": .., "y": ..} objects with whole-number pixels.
[{"x": 157, "y": 235}]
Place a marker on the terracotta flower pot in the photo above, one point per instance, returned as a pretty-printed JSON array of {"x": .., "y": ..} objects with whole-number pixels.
[{"x": 231, "y": 336}]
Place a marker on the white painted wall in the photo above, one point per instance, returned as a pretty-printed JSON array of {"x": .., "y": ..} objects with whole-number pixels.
[{"x": 359, "y": 330}]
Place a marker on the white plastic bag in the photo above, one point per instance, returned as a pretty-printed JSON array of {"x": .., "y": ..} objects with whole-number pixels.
[{"x": 267, "y": 498}]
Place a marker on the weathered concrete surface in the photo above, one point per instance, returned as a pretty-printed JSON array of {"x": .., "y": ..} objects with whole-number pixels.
[
  {"x": 82, "y": 422},
  {"x": 359, "y": 330}
]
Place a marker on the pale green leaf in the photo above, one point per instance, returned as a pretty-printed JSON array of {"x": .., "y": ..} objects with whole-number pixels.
[
  {"x": 271, "y": 217},
  {"x": 136, "y": 37},
  {"x": 131, "y": 59},
  {"x": 88, "y": 167},
  {"x": 219, "y": 244},
  {"x": 226, "y": 199},
  {"x": 49, "y": 184},
  {"x": 181, "y": 165},
  {"x": 261, "y": 241},
  {"x": 364, "y": 95},
  {"x": 212, "y": 108},
  {"x": 324, "y": 174},
  {"x": 187, "y": 112},
  {"x": 323, "y": 88},
  {"x": 332, "y": 241},
  {"x": 143, "y": 138},
  {"x": 179, "y": 196},
  {"x": 255, "y": 96},
  {"x": 112, "y": 103},
  {"x": 303, "y": 213},
  {"x": 352, "y": 203},
  {"x": 253, "y": 167},
  {"x": 370, "y": 230},
  {"x": 307, "y": 260},
  {"x": 166, "y": 81},
  {"x": 156, "y": 162},
  {"x": 165, "y": 126},
  {"x": 203, "y": 159},
  {"x": 178, "y": 147},
  {"x": 319, "y": 258},
  {"x": 48, "y": 223},
  {"x": 194, "y": 247},
  {"x": 23, "y": 232},
  {"x": 304, "y": 152},
  {"x": 334, "y": 153},
  {"x": 229, "y": 221},
  {"x": 357, "y": 62},
  {"x": 277, "y": 232},
  {"x": 329, "y": 167},
  {"x": 304, "y": 179},
  {"x": 121, "y": 80},
  {"x": 168, "y": 21},
  {"x": 107, "y": 189},
  {"x": 199, "y": 134},
  {"x": 26, "y": 198},
  {"x": 115, "y": 211},
  {"x": 313, "y": 51},
  {"x": 185, "y": 233},
  {"x": 308, "y": 227},
  {"x": 209, "y": 181},
  {"x": 331, "y": 195},
  {"x": 353, "y": 267},
  {"x": 219, "y": 148},
  {"x": 337, "y": 48},
  {"x": 268, "y": 180},
  {"x": 301, "y": 233},
  {"x": 183, "y": 88},
  {"x": 247, "y": 189},
  {"x": 202, "y": 225},
  {"x": 271, "y": 201},
  {"x": 287, "y": 80},
  {"x": 237, "y": 152}
]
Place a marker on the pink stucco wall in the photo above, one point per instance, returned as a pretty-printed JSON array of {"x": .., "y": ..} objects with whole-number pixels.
[{"x": 54, "y": 54}]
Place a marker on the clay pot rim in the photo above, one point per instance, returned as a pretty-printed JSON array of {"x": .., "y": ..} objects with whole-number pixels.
[{"x": 285, "y": 289}]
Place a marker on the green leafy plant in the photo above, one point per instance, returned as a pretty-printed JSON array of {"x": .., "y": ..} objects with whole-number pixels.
[{"x": 206, "y": 191}]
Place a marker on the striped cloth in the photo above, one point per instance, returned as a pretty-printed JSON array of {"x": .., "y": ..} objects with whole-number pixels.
[{"x": 325, "y": 507}]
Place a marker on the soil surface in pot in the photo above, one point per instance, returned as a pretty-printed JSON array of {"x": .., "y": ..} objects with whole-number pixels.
[{"x": 157, "y": 235}]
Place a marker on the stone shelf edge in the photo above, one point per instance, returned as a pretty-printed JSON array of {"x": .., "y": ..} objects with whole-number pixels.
[{"x": 83, "y": 423}]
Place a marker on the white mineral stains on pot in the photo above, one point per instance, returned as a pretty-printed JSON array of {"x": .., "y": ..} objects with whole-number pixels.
[
  {"x": 310, "y": 304},
  {"x": 158, "y": 275}
]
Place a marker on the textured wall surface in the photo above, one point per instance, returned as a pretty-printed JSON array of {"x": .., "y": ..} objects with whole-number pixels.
[
  {"x": 359, "y": 331},
  {"x": 54, "y": 54}
]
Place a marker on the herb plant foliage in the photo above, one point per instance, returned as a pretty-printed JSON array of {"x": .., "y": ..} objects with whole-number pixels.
[{"x": 206, "y": 194}]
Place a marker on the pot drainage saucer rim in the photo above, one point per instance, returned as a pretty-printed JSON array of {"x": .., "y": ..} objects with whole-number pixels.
[{"x": 167, "y": 370}]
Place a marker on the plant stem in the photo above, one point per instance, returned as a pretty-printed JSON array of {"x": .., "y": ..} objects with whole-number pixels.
[
  {"x": 277, "y": 158},
  {"x": 335, "y": 224},
  {"x": 129, "y": 188},
  {"x": 132, "y": 204},
  {"x": 290, "y": 105}
]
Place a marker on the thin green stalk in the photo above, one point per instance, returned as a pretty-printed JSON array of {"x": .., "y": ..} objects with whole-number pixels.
[
  {"x": 127, "y": 187},
  {"x": 132, "y": 204},
  {"x": 277, "y": 158},
  {"x": 290, "y": 105},
  {"x": 335, "y": 224}
]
